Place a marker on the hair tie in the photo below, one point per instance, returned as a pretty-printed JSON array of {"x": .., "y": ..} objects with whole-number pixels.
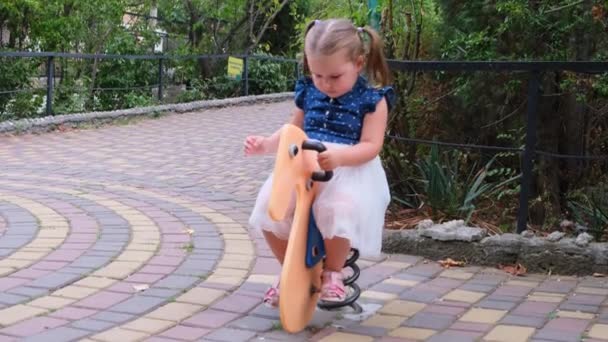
[
  {"x": 317, "y": 21},
  {"x": 359, "y": 29}
]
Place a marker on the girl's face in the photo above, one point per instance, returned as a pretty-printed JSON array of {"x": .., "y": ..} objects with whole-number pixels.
[{"x": 336, "y": 74}]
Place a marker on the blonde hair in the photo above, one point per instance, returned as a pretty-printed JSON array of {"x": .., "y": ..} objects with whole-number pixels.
[{"x": 329, "y": 36}]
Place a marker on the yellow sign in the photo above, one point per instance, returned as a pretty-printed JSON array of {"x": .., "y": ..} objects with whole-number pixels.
[{"x": 235, "y": 67}]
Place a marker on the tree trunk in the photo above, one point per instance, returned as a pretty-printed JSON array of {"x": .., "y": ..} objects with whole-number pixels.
[{"x": 575, "y": 112}]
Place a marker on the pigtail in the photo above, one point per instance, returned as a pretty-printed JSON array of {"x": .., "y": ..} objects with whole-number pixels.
[
  {"x": 304, "y": 59},
  {"x": 376, "y": 68}
]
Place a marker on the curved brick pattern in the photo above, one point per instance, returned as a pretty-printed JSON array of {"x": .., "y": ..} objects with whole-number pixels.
[
  {"x": 2, "y": 222},
  {"x": 51, "y": 230},
  {"x": 66, "y": 263},
  {"x": 139, "y": 250},
  {"x": 156, "y": 249},
  {"x": 24, "y": 228}
]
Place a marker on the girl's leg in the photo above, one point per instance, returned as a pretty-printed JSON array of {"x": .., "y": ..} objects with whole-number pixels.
[
  {"x": 337, "y": 250},
  {"x": 277, "y": 246}
]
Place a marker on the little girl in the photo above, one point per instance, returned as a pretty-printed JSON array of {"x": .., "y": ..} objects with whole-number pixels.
[{"x": 337, "y": 106}]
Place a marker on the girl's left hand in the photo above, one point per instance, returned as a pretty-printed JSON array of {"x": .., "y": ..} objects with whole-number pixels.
[{"x": 329, "y": 160}]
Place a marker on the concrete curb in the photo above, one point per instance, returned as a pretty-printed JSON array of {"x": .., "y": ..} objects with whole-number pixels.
[
  {"x": 565, "y": 256},
  {"x": 50, "y": 122}
]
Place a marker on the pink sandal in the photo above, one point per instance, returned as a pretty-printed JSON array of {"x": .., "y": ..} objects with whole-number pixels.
[
  {"x": 271, "y": 297},
  {"x": 332, "y": 289}
]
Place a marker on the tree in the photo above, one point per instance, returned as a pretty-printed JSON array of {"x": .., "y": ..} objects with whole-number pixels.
[{"x": 539, "y": 30}]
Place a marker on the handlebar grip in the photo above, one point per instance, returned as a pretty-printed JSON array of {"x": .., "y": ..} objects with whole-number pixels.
[{"x": 316, "y": 145}]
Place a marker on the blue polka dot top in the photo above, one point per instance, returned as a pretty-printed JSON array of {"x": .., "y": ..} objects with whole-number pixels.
[{"x": 338, "y": 120}]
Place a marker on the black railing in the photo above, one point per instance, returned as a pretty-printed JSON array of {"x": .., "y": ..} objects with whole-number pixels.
[
  {"x": 529, "y": 151},
  {"x": 51, "y": 56},
  {"x": 534, "y": 70}
]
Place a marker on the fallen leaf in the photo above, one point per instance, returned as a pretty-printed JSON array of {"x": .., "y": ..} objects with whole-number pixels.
[
  {"x": 190, "y": 231},
  {"x": 516, "y": 270},
  {"x": 141, "y": 287},
  {"x": 599, "y": 275},
  {"x": 449, "y": 262}
]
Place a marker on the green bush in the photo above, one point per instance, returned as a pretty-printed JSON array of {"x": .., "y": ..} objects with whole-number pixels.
[
  {"x": 16, "y": 74},
  {"x": 266, "y": 77},
  {"x": 589, "y": 207},
  {"x": 450, "y": 187}
]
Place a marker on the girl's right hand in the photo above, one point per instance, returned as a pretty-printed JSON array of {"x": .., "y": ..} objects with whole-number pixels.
[{"x": 255, "y": 144}]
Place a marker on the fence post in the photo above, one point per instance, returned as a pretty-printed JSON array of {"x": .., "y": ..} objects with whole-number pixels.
[
  {"x": 246, "y": 75},
  {"x": 160, "y": 79},
  {"x": 50, "y": 75},
  {"x": 528, "y": 155}
]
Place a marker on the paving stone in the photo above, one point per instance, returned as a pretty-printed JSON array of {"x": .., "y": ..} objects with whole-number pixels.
[
  {"x": 466, "y": 326},
  {"x": 430, "y": 321},
  {"x": 444, "y": 309},
  {"x": 477, "y": 315},
  {"x": 175, "y": 311},
  {"x": 496, "y": 304},
  {"x": 263, "y": 311},
  {"x": 562, "y": 329},
  {"x": 235, "y": 303},
  {"x": 575, "y": 314},
  {"x": 510, "y": 333},
  {"x": 12, "y": 299},
  {"x": 92, "y": 325},
  {"x": 401, "y": 308},
  {"x": 599, "y": 331},
  {"x": 229, "y": 335},
  {"x": 344, "y": 336},
  {"x": 252, "y": 323},
  {"x": 149, "y": 325},
  {"x": 161, "y": 293},
  {"x": 378, "y": 296},
  {"x": 51, "y": 302},
  {"x": 31, "y": 292},
  {"x": 138, "y": 304},
  {"x": 579, "y": 307},
  {"x": 464, "y": 296},
  {"x": 58, "y": 334},
  {"x": 18, "y": 313},
  {"x": 556, "y": 286},
  {"x": 201, "y": 296},
  {"x": 211, "y": 318},
  {"x": 384, "y": 321},
  {"x": 33, "y": 326},
  {"x": 413, "y": 333},
  {"x": 185, "y": 333},
  {"x": 539, "y": 309},
  {"x": 280, "y": 335},
  {"x": 118, "y": 334},
  {"x": 114, "y": 317},
  {"x": 419, "y": 295},
  {"x": 73, "y": 313},
  {"x": 455, "y": 336},
  {"x": 555, "y": 335},
  {"x": 177, "y": 282},
  {"x": 477, "y": 287},
  {"x": 102, "y": 300},
  {"x": 530, "y": 321}
]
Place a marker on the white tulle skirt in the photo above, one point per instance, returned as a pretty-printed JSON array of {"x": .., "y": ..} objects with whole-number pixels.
[{"x": 352, "y": 205}]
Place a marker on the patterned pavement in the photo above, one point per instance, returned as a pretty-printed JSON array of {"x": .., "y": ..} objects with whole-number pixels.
[{"x": 139, "y": 232}]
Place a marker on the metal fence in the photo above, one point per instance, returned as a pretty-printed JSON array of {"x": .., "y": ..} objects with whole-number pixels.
[
  {"x": 534, "y": 71},
  {"x": 161, "y": 60},
  {"x": 528, "y": 153}
]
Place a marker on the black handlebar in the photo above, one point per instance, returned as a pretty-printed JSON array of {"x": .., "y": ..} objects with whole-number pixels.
[{"x": 316, "y": 145}]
